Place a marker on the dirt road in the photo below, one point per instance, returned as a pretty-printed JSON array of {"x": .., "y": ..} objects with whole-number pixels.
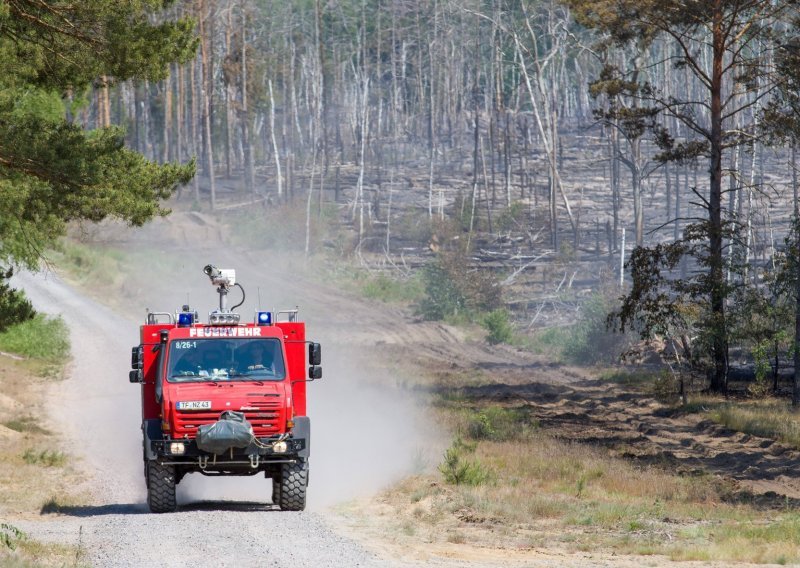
[{"x": 221, "y": 524}]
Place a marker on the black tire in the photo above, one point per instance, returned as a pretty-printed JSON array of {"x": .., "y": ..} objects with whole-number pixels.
[
  {"x": 292, "y": 487},
  {"x": 161, "y": 487},
  {"x": 276, "y": 490}
]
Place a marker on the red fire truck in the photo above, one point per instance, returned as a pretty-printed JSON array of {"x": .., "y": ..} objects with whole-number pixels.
[{"x": 225, "y": 397}]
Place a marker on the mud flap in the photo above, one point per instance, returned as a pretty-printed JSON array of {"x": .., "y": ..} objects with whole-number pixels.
[
  {"x": 302, "y": 430},
  {"x": 151, "y": 429}
]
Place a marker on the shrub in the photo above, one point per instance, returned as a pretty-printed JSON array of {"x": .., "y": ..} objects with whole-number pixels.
[
  {"x": 760, "y": 387},
  {"x": 512, "y": 218},
  {"x": 590, "y": 340},
  {"x": 442, "y": 297},
  {"x": 458, "y": 471},
  {"x": 499, "y": 424},
  {"x": 10, "y": 536},
  {"x": 667, "y": 386},
  {"x": 499, "y": 328},
  {"x": 452, "y": 289},
  {"x": 14, "y": 307}
]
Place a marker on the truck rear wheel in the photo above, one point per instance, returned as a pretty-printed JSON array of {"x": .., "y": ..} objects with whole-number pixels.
[
  {"x": 292, "y": 487},
  {"x": 161, "y": 487}
]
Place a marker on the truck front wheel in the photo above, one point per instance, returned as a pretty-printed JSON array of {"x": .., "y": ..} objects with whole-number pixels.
[
  {"x": 161, "y": 487},
  {"x": 292, "y": 486},
  {"x": 276, "y": 490}
]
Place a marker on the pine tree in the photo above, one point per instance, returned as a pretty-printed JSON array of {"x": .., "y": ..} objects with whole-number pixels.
[
  {"x": 52, "y": 171},
  {"x": 723, "y": 44},
  {"x": 781, "y": 122}
]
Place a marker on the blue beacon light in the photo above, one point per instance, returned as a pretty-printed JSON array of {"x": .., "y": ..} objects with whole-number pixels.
[
  {"x": 185, "y": 319},
  {"x": 264, "y": 318}
]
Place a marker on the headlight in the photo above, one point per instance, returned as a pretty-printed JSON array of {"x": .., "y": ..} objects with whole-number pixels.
[
  {"x": 177, "y": 448},
  {"x": 279, "y": 447}
]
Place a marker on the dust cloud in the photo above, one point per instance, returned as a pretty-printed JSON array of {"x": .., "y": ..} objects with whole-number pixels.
[
  {"x": 95, "y": 411},
  {"x": 366, "y": 431}
]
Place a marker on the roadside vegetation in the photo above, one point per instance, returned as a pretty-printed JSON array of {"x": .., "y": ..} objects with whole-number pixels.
[
  {"x": 505, "y": 482},
  {"x": 18, "y": 550},
  {"x": 33, "y": 466},
  {"x": 770, "y": 418},
  {"x": 546, "y": 492},
  {"x": 43, "y": 339}
]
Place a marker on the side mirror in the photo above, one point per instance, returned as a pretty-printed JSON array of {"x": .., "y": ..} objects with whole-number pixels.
[
  {"x": 135, "y": 376},
  {"x": 314, "y": 372},
  {"x": 314, "y": 354},
  {"x": 136, "y": 357}
]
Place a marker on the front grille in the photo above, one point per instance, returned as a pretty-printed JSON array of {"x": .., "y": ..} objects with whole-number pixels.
[{"x": 265, "y": 418}]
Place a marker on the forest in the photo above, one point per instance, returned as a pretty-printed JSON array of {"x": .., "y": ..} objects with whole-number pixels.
[
  {"x": 548, "y": 144},
  {"x": 551, "y": 247}
]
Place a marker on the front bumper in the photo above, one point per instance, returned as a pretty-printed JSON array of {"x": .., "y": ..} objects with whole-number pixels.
[
  {"x": 259, "y": 455},
  {"x": 171, "y": 450}
]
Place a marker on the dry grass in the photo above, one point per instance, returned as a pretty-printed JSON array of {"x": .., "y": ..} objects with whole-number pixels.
[
  {"x": 32, "y": 466},
  {"x": 773, "y": 419},
  {"x": 20, "y": 551},
  {"x": 547, "y": 492}
]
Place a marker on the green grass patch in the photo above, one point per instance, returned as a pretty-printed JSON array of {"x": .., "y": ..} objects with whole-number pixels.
[
  {"x": 627, "y": 508},
  {"x": 595, "y": 501},
  {"x": 758, "y": 541},
  {"x": 588, "y": 341},
  {"x": 392, "y": 290},
  {"x": 10, "y": 536},
  {"x": 45, "y": 458},
  {"x": 43, "y": 337},
  {"x": 26, "y": 424},
  {"x": 98, "y": 265}
]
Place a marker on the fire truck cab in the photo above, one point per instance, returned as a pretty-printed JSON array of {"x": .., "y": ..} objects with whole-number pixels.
[{"x": 225, "y": 398}]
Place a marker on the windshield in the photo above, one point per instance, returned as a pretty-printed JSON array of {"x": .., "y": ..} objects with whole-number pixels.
[{"x": 225, "y": 359}]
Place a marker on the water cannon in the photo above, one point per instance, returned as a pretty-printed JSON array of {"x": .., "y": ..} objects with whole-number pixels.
[{"x": 224, "y": 279}]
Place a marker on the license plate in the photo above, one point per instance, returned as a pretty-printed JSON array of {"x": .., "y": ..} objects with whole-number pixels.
[{"x": 194, "y": 405}]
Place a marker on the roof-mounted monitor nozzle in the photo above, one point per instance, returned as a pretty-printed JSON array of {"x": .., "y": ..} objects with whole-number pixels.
[
  {"x": 224, "y": 278},
  {"x": 220, "y": 276}
]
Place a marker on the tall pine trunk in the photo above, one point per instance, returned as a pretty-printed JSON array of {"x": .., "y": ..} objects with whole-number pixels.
[{"x": 719, "y": 378}]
